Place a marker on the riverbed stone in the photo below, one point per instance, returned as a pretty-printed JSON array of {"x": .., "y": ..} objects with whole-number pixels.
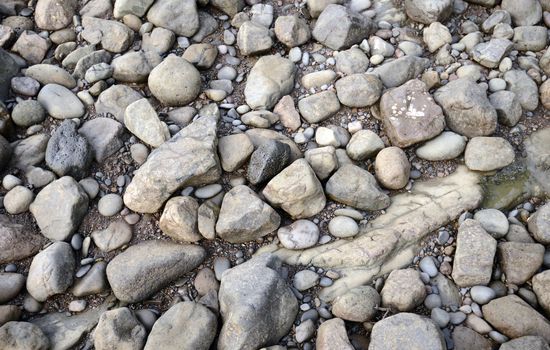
[{"x": 488, "y": 153}]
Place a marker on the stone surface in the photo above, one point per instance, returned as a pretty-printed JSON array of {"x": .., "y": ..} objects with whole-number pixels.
[
  {"x": 113, "y": 36},
  {"x": 541, "y": 287},
  {"x": 358, "y": 90},
  {"x": 318, "y": 107},
  {"x": 22, "y": 336},
  {"x": 358, "y": 305},
  {"x": 267, "y": 161},
  {"x": 392, "y": 168},
  {"x": 253, "y": 38},
  {"x": 520, "y": 261},
  {"x": 120, "y": 327},
  {"x": 539, "y": 224},
  {"x": 493, "y": 221},
  {"x": 524, "y": 87},
  {"x": 507, "y": 106},
  {"x": 300, "y": 234},
  {"x": 50, "y": 74},
  {"x": 332, "y": 335},
  {"x": 364, "y": 144},
  {"x": 488, "y": 153},
  {"x": 115, "y": 99},
  {"x": 529, "y": 342},
  {"x": 175, "y": 82},
  {"x": 142, "y": 121},
  {"x": 489, "y": 54},
  {"x": 104, "y": 137},
  {"x": 16, "y": 241},
  {"x": 447, "y": 145},
  {"x": 234, "y": 151},
  {"x": 133, "y": 67},
  {"x": 292, "y": 30},
  {"x": 396, "y": 297},
  {"x": 523, "y": 12},
  {"x": 60, "y": 102},
  {"x": 145, "y": 268},
  {"x": 68, "y": 152},
  {"x": 10, "y": 286},
  {"x": 179, "y": 219},
  {"x": 114, "y": 236},
  {"x": 465, "y": 338},
  {"x": 397, "y": 72}
]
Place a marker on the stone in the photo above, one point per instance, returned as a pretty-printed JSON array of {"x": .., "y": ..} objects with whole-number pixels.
[
  {"x": 446, "y": 146},
  {"x": 507, "y": 106},
  {"x": 159, "y": 40},
  {"x": 120, "y": 327},
  {"x": 51, "y": 271},
  {"x": 125, "y": 7},
  {"x": 142, "y": 121},
  {"x": 234, "y": 151},
  {"x": 9, "y": 313},
  {"x": 343, "y": 227},
  {"x": 467, "y": 109},
  {"x": 68, "y": 152},
  {"x": 26, "y": 152},
  {"x": 300, "y": 234},
  {"x": 296, "y": 190},
  {"x": 524, "y": 87},
  {"x": 392, "y": 168},
  {"x": 322, "y": 160},
  {"x": 60, "y": 102},
  {"x": 289, "y": 117},
  {"x": 259, "y": 119},
  {"x": 8, "y": 71},
  {"x": 189, "y": 158},
  {"x": 86, "y": 60},
  {"x": 22, "y": 336},
  {"x": 185, "y": 325},
  {"x": 115, "y": 99},
  {"x": 230, "y": 7},
  {"x": 529, "y": 38},
  {"x": 244, "y": 216},
  {"x": 134, "y": 67},
  {"x": 267, "y": 161},
  {"x": 427, "y": 11},
  {"x": 517, "y": 233},
  {"x": 332, "y": 335},
  {"x": 358, "y": 90},
  {"x": 305, "y": 279},
  {"x": 436, "y": 35},
  {"x": 319, "y": 107},
  {"x": 465, "y": 338},
  {"x": 482, "y": 295},
  {"x": 17, "y": 200},
  {"x": 201, "y": 55},
  {"x": 416, "y": 331},
  {"x": 27, "y": 113},
  {"x": 116, "y": 235},
  {"x": 104, "y": 135},
  {"x": 358, "y": 305},
  {"x": 528, "y": 342},
  {"x": 10, "y": 286},
  {"x": 357, "y": 188},
  {"x": 292, "y": 30},
  {"x": 475, "y": 252},
  {"x": 541, "y": 287},
  {"x": 397, "y": 72},
  {"x": 25, "y": 86},
  {"x": 54, "y": 15},
  {"x": 59, "y": 208},
  {"x": 145, "y": 268},
  {"x": 523, "y": 12},
  {"x": 93, "y": 282},
  {"x": 351, "y": 61},
  {"x": 165, "y": 81},
  {"x": 395, "y": 296},
  {"x": 113, "y": 36},
  {"x": 253, "y": 38},
  {"x": 514, "y": 318},
  {"x": 181, "y": 17},
  {"x": 493, "y": 221},
  {"x": 246, "y": 291},
  {"x": 16, "y": 241},
  {"x": 260, "y": 136},
  {"x": 520, "y": 261},
  {"x": 489, "y": 54},
  {"x": 31, "y": 46},
  {"x": 179, "y": 219},
  {"x": 364, "y": 144},
  {"x": 488, "y": 153},
  {"x": 410, "y": 114},
  {"x": 539, "y": 224},
  {"x": 270, "y": 78},
  {"x": 49, "y": 74}
]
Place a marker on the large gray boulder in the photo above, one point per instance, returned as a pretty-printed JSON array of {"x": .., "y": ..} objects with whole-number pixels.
[
  {"x": 257, "y": 306},
  {"x": 145, "y": 268},
  {"x": 189, "y": 158}
]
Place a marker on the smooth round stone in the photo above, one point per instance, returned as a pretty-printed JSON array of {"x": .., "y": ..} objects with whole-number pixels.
[
  {"x": 110, "y": 204},
  {"x": 28, "y": 113},
  {"x": 482, "y": 294},
  {"x": 343, "y": 227},
  {"x": 295, "y": 54},
  {"x": 424, "y": 277},
  {"x": 220, "y": 265},
  {"x": 76, "y": 241},
  {"x": 310, "y": 315},
  {"x": 432, "y": 301},
  {"x": 427, "y": 265},
  {"x": 443, "y": 237},
  {"x": 457, "y": 317},
  {"x": 301, "y": 234},
  {"x": 326, "y": 282},
  {"x": 10, "y": 181},
  {"x": 90, "y": 186},
  {"x": 31, "y": 305},
  {"x": 77, "y": 305},
  {"x": 305, "y": 279},
  {"x": 497, "y": 84},
  {"x": 352, "y": 213},
  {"x": 83, "y": 270},
  {"x": 498, "y": 337},
  {"x": 208, "y": 191},
  {"x": 376, "y": 59},
  {"x": 60, "y": 102},
  {"x": 139, "y": 153},
  {"x": 448, "y": 145},
  {"x": 146, "y": 317},
  {"x": 493, "y": 221},
  {"x": 227, "y": 72},
  {"x": 10, "y": 268},
  {"x": 18, "y": 199},
  {"x": 440, "y": 317}
]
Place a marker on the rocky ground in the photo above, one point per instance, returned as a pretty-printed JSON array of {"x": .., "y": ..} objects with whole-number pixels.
[{"x": 222, "y": 174}]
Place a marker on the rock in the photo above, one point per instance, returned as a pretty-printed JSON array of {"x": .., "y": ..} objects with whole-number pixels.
[
  {"x": 161, "y": 175},
  {"x": 10, "y": 286},
  {"x": 488, "y": 153},
  {"x": 271, "y": 78},
  {"x": 125, "y": 7},
  {"x": 31, "y": 46},
  {"x": 351, "y": 61},
  {"x": 514, "y": 318},
  {"x": 68, "y": 152},
  {"x": 395, "y": 296},
  {"x": 22, "y": 336},
  {"x": 526, "y": 343},
  {"x": 541, "y": 287},
  {"x": 405, "y": 328},
  {"x": 28, "y": 152},
  {"x": 427, "y": 265},
  {"x": 39, "y": 177},
  {"x": 234, "y": 151},
  {"x": 482, "y": 295},
  {"x": 446, "y": 146},
  {"x": 179, "y": 219},
  {"x": 253, "y": 38},
  {"x": 300, "y": 234},
  {"x": 358, "y": 305},
  {"x": 246, "y": 291},
  {"x": 436, "y": 35},
  {"x": 134, "y": 67},
  {"x": 201, "y": 55},
  {"x": 54, "y": 15},
  {"x": 544, "y": 95},
  {"x": 392, "y": 168},
  {"x": 87, "y": 61},
  {"x": 305, "y": 279},
  {"x": 364, "y": 144},
  {"x": 395, "y": 73},
  {"x": 116, "y": 235},
  {"x": 49, "y": 74},
  {"x": 343, "y": 227},
  {"x": 51, "y": 271},
  {"x": 467, "y": 110},
  {"x": 185, "y": 325},
  {"x": 145, "y": 268},
  {"x": 113, "y": 36},
  {"x": 9, "y": 69},
  {"x": 292, "y": 30},
  {"x": 493, "y": 221},
  {"x": 165, "y": 81},
  {"x": 230, "y": 7},
  {"x": 267, "y": 161},
  {"x": 520, "y": 261},
  {"x": 475, "y": 252},
  {"x": 260, "y": 119},
  {"x": 59, "y": 208},
  {"x": 539, "y": 224},
  {"x": 104, "y": 135},
  {"x": 465, "y": 338},
  {"x": 523, "y": 12},
  {"x": 359, "y": 90},
  {"x": 60, "y": 102},
  {"x": 489, "y": 54},
  {"x": 94, "y": 282},
  {"x": 379, "y": 47},
  {"x": 9, "y": 313},
  {"x": 339, "y": 28},
  {"x": 244, "y": 216},
  {"x": 289, "y": 117},
  {"x": 296, "y": 190},
  {"x": 120, "y": 327},
  {"x": 332, "y": 335},
  {"x": 357, "y": 188},
  {"x": 205, "y": 281},
  {"x": 115, "y": 99},
  {"x": 517, "y": 233},
  {"x": 524, "y": 87},
  {"x": 322, "y": 160},
  {"x": 410, "y": 115},
  {"x": 16, "y": 241},
  {"x": 27, "y": 113},
  {"x": 507, "y": 106},
  {"x": 318, "y": 107},
  {"x": 260, "y": 136},
  {"x": 305, "y": 331},
  {"x": 142, "y": 120},
  {"x": 181, "y": 17},
  {"x": 159, "y": 40},
  {"x": 17, "y": 200},
  {"x": 530, "y": 38}
]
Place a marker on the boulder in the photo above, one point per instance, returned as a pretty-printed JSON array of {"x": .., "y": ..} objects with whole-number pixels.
[
  {"x": 175, "y": 82},
  {"x": 120, "y": 327}
]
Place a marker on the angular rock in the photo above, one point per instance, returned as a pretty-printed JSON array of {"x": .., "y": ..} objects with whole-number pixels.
[
  {"x": 142, "y": 121},
  {"x": 358, "y": 305},
  {"x": 68, "y": 152},
  {"x": 113, "y": 36},
  {"x": 520, "y": 261},
  {"x": 466, "y": 339},
  {"x": 104, "y": 136},
  {"x": 322, "y": 160},
  {"x": 189, "y": 158},
  {"x": 145, "y": 268},
  {"x": 16, "y": 241},
  {"x": 93, "y": 282},
  {"x": 175, "y": 82},
  {"x": 318, "y": 107},
  {"x": 159, "y": 40},
  {"x": 489, "y": 54},
  {"x": 296, "y": 190},
  {"x": 86, "y": 61},
  {"x": 359, "y": 90},
  {"x": 539, "y": 224},
  {"x": 120, "y": 327},
  {"x": 60, "y": 102},
  {"x": 257, "y": 306},
  {"x": 115, "y": 99},
  {"x": 234, "y": 151},
  {"x": 22, "y": 336},
  {"x": 397, "y": 72},
  {"x": 488, "y": 153},
  {"x": 507, "y": 106},
  {"x": 201, "y": 55},
  {"x": 134, "y": 67},
  {"x": 332, "y": 335},
  {"x": 179, "y": 16},
  {"x": 351, "y": 61},
  {"x": 253, "y": 38},
  {"x": 31, "y": 46},
  {"x": 179, "y": 219},
  {"x": 541, "y": 287},
  {"x": 125, "y": 7},
  {"x": 116, "y": 235},
  {"x": 292, "y": 30},
  {"x": 524, "y": 87},
  {"x": 395, "y": 296},
  {"x": 267, "y": 161}
]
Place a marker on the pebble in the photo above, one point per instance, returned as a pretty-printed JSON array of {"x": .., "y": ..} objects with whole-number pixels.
[
  {"x": 83, "y": 270},
  {"x": 10, "y": 181},
  {"x": 305, "y": 279},
  {"x": 77, "y": 305},
  {"x": 349, "y": 212},
  {"x": 31, "y": 305},
  {"x": 432, "y": 301},
  {"x": 325, "y": 282},
  {"x": 427, "y": 265},
  {"x": 343, "y": 227},
  {"x": 440, "y": 317},
  {"x": 227, "y": 72},
  {"x": 457, "y": 317},
  {"x": 220, "y": 265},
  {"x": 10, "y": 268},
  {"x": 76, "y": 241},
  {"x": 110, "y": 204},
  {"x": 482, "y": 294},
  {"x": 208, "y": 191},
  {"x": 498, "y": 337}
]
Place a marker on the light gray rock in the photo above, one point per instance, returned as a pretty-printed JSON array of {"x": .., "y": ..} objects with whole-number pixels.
[
  {"x": 54, "y": 15},
  {"x": 159, "y": 40},
  {"x": 489, "y": 54},
  {"x": 49, "y": 74},
  {"x": 142, "y": 121},
  {"x": 482, "y": 295},
  {"x": 447, "y": 145},
  {"x": 395, "y": 296},
  {"x": 541, "y": 287},
  {"x": 68, "y": 152},
  {"x": 523, "y": 12},
  {"x": 332, "y": 335},
  {"x": 428, "y": 11},
  {"x": 116, "y": 235},
  {"x": 120, "y": 327},
  {"x": 16, "y": 241},
  {"x": 114, "y": 36},
  {"x": 507, "y": 106},
  {"x": 60, "y": 102},
  {"x": 17, "y": 200},
  {"x": 253, "y": 38},
  {"x": 530, "y": 38},
  {"x": 234, "y": 151},
  {"x": 246, "y": 292},
  {"x": 488, "y": 153},
  {"x": 520, "y": 261},
  {"x": 322, "y": 160},
  {"x": 87, "y": 61},
  {"x": 179, "y": 219},
  {"x": 292, "y": 30},
  {"x": 528, "y": 342},
  {"x": 318, "y": 107},
  {"x": 28, "y": 152},
  {"x": 493, "y": 221},
  {"x": 395, "y": 73},
  {"x": 230, "y": 7},
  {"x": 115, "y": 99},
  {"x": 161, "y": 175},
  {"x": 181, "y": 17},
  {"x": 436, "y": 35},
  {"x": 358, "y": 305},
  {"x": 22, "y": 336},
  {"x": 125, "y": 7},
  {"x": 27, "y": 113},
  {"x": 10, "y": 286},
  {"x": 539, "y": 224},
  {"x": 364, "y": 144},
  {"x": 93, "y": 282},
  {"x": 31, "y": 47},
  {"x": 201, "y": 55},
  {"x": 145, "y": 268},
  {"x": 359, "y": 90},
  {"x": 59, "y": 208},
  {"x": 300, "y": 234},
  {"x": 165, "y": 81},
  {"x": 134, "y": 67},
  {"x": 104, "y": 135},
  {"x": 51, "y": 271},
  {"x": 343, "y": 227},
  {"x": 351, "y": 61},
  {"x": 524, "y": 87}
]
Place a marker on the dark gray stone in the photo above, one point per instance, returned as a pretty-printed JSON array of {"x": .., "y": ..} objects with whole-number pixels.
[
  {"x": 68, "y": 152},
  {"x": 267, "y": 161},
  {"x": 8, "y": 69}
]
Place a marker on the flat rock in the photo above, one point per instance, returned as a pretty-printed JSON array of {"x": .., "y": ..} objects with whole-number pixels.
[
  {"x": 93, "y": 282},
  {"x": 448, "y": 145},
  {"x": 121, "y": 327},
  {"x": 181, "y": 17},
  {"x": 332, "y": 335},
  {"x": 115, "y": 99},
  {"x": 520, "y": 261},
  {"x": 396, "y": 297},
  {"x": 488, "y": 153},
  {"x": 16, "y": 241},
  {"x": 60, "y": 102},
  {"x": 22, "y": 336},
  {"x": 179, "y": 219},
  {"x": 114, "y": 36},
  {"x": 145, "y": 268},
  {"x": 104, "y": 135},
  {"x": 397, "y": 72},
  {"x": 489, "y": 54},
  {"x": 189, "y": 158},
  {"x": 134, "y": 67},
  {"x": 358, "y": 90},
  {"x": 142, "y": 121},
  {"x": 466, "y": 339},
  {"x": 318, "y": 107}
]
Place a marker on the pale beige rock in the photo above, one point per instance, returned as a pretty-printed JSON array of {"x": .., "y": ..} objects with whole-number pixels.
[
  {"x": 332, "y": 335},
  {"x": 392, "y": 168}
]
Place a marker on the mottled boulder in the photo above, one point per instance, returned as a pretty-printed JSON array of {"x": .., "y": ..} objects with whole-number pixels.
[{"x": 16, "y": 241}]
